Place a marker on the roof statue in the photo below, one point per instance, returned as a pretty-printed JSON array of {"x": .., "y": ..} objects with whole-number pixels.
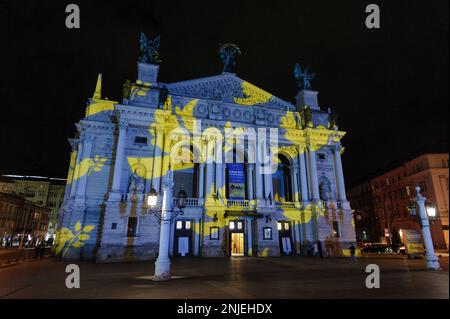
[
  {"x": 228, "y": 54},
  {"x": 303, "y": 79},
  {"x": 149, "y": 49}
]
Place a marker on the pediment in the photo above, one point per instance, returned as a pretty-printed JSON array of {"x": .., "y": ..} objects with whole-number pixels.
[{"x": 227, "y": 87}]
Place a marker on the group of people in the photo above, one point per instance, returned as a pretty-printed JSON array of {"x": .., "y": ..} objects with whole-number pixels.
[{"x": 315, "y": 249}]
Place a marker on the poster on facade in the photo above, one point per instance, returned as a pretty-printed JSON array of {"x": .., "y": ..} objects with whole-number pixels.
[
  {"x": 236, "y": 181},
  {"x": 413, "y": 242}
]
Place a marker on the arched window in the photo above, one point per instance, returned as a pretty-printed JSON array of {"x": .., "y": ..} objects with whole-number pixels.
[
  {"x": 185, "y": 172},
  {"x": 282, "y": 181}
]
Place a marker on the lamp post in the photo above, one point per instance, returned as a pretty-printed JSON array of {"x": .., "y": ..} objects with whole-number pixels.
[
  {"x": 432, "y": 260},
  {"x": 162, "y": 264}
]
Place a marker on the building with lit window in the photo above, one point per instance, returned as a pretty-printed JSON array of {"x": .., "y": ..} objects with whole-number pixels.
[
  {"x": 22, "y": 222},
  {"x": 384, "y": 203},
  {"x": 43, "y": 191},
  {"x": 263, "y": 177}
]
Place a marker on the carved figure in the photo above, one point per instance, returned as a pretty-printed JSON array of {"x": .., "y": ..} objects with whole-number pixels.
[
  {"x": 228, "y": 54},
  {"x": 149, "y": 49},
  {"x": 303, "y": 78}
]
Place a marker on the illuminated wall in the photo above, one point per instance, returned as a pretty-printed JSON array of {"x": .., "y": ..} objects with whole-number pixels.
[{"x": 125, "y": 149}]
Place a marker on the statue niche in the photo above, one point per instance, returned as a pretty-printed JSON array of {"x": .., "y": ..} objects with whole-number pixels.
[
  {"x": 324, "y": 189},
  {"x": 136, "y": 182}
]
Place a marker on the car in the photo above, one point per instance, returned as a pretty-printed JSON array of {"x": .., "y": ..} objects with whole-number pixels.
[{"x": 378, "y": 248}]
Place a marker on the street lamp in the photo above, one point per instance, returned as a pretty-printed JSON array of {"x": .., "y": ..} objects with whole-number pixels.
[
  {"x": 432, "y": 260},
  {"x": 164, "y": 215},
  {"x": 431, "y": 210}
]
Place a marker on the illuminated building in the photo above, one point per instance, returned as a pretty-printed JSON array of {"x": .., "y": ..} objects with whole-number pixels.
[
  {"x": 122, "y": 151},
  {"x": 383, "y": 202},
  {"x": 40, "y": 190}
]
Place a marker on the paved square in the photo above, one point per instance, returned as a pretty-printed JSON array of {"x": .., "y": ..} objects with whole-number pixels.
[{"x": 277, "y": 277}]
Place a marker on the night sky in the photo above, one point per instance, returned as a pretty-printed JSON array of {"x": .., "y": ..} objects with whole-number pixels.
[{"x": 389, "y": 86}]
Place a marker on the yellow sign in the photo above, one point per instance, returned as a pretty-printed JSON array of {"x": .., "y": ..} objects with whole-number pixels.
[{"x": 414, "y": 244}]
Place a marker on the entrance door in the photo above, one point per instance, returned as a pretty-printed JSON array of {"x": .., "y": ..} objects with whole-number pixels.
[
  {"x": 182, "y": 245},
  {"x": 237, "y": 238},
  {"x": 284, "y": 233}
]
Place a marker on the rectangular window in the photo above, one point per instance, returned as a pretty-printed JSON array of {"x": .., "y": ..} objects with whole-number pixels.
[
  {"x": 114, "y": 226},
  {"x": 279, "y": 226},
  {"x": 286, "y": 226},
  {"x": 336, "y": 229},
  {"x": 187, "y": 224},
  {"x": 267, "y": 233},
  {"x": 179, "y": 224},
  {"x": 231, "y": 225},
  {"x": 239, "y": 225},
  {"x": 214, "y": 233},
  {"x": 321, "y": 156},
  {"x": 132, "y": 227},
  {"x": 140, "y": 140}
]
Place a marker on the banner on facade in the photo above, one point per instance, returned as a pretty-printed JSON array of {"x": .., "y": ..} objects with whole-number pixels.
[
  {"x": 413, "y": 242},
  {"x": 236, "y": 181}
]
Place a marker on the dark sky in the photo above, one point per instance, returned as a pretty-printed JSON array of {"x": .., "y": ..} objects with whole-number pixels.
[{"x": 389, "y": 86}]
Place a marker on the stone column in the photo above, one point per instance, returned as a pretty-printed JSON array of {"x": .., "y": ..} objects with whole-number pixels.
[
  {"x": 157, "y": 160},
  {"x": 250, "y": 168},
  {"x": 295, "y": 225},
  {"x": 339, "y": 174},
  {"x": 166, "y": 154},
  {"x": 249, "y": 237},
  {"x": 298, "y": 237},
  {"x": 268, "y": 185},
  {"x": 120, "y": 154},
  {"x": 201, "y": 180},
  {"x": 258, "y": 175},
  {"x": 303, "y": 176},
  {"x": 314, "y": 182},
  {"x": 294, "y": 172},
  {"x": 432, "y": 260},
  {"x": 82, "y": 180},
  {"x": 209, "y": 170},
  {"x": 219, "y": 162},
  {"x": 162, "y": 264},
  {"x": 71, "y": 171},
  {"x": 196, "y": 236},
  {"x": 76, "y": 170}
]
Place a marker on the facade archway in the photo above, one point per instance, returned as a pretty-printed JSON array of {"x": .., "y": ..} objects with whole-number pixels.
[
  {"x": 185, "y": 171},
  {"x": 282, "y": 180}
]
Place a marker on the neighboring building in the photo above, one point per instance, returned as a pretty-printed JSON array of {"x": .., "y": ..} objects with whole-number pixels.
[
  {"x": 123, "y": 150},
  {"x": 22, "y": 220},
  {"x": 383, "y": 203},
  {"x": 43, "y": 191}
]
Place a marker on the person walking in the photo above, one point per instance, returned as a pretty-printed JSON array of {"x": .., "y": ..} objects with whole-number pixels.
[
  {"x": 316, "y": 250},
  {"x": 319, "y": 249},
  {"x": 41, "y": 250},
  {"x": 352, "y": 249}
]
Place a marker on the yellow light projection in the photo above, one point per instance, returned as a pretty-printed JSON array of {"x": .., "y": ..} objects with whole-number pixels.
[
  {"x": 254, "y": 95},
  {"x": 73, "y": 158},
  {"x": 89, "y": 165},
  {"x": 66, "y": 239},
  {"x": 98, "y": 106},
  {"x": 142, "y": 166},
  {"x": 139, "y": 90}
]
